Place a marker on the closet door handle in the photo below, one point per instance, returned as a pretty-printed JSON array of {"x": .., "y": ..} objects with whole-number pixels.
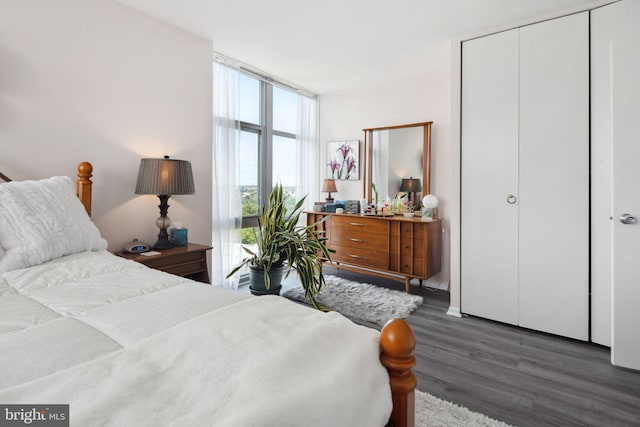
[{"x": 511, "y": 199}]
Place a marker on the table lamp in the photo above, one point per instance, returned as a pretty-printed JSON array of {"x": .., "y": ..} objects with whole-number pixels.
[
  {"x": 410, "y": 185},
  {"x": 329, "y": 186},
  {"x": 164, "y": 178},
  {"x": 430, "y": 202}
]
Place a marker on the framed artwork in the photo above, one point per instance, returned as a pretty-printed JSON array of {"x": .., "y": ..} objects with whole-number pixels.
[{"x": 343, "y": 160}]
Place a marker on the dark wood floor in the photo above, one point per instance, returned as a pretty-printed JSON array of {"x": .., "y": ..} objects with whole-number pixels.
[{"x": 519, "y": 376}]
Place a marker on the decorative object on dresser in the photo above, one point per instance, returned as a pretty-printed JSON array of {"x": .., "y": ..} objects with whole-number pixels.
[
  {"x": 329, "y": 186},
  {"x": 352, "y": 206},
  {"x": 430, "y": 204},
  {"x": 187, "y": 261},
  {"x": 342, "y": 160},
  {"x": 392, "y": 246},
  {"x": 361, "y": 301},
  {"x": 164, "y": 178},
  {"x": 283, "y": 245}
]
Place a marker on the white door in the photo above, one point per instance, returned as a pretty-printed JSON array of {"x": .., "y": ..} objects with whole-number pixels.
[
  {"x": 554, "y": 177},
  {"x": 489, "y": 217},
  {"x": 625, "y": 349},
  {"x": 616, "y": 186},
  {"x": 625, "y": 66}
]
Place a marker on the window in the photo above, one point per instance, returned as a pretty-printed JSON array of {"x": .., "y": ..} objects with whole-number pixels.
[{"x": 268, "y": 146}]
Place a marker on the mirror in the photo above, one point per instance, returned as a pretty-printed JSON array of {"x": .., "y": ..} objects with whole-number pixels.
[{"x": 396, "y": 152}]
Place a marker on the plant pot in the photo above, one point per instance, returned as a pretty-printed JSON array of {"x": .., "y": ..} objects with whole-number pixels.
[{"x": 257, "y": 284}]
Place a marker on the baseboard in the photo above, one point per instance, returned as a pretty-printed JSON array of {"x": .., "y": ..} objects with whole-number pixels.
[{"x": 454, "y": 311}]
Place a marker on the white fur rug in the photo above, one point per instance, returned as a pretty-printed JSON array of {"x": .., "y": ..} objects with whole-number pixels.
[
  {"x": 434, "y": 412},
  {"x": 361, "y": 301}
]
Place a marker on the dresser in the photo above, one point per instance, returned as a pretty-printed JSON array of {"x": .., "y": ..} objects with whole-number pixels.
[{"x": 391, "y": 246}]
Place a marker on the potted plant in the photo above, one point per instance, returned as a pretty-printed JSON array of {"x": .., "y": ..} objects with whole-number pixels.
[{"x": 283, "y": 246}]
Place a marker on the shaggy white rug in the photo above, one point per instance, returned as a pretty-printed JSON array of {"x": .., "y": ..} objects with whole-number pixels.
[
  {"x": 361, "y": 301},
  {"x": 434, "y": 412}
]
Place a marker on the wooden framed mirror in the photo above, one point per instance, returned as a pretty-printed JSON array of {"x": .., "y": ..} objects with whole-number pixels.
[{"x": 392, "y": 153}]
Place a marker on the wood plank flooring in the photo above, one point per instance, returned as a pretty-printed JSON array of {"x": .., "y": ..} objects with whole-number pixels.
[{"x": 519, "y": 376}]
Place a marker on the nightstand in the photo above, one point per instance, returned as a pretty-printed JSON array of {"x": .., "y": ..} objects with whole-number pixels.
[{"x": 187, "y": 261}]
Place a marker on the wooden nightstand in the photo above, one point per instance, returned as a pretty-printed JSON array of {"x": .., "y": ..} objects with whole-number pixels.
[{"x": 187, "y": 261}]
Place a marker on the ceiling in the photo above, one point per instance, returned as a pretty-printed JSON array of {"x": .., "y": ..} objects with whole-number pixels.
[{"x": 328, "y": 45}]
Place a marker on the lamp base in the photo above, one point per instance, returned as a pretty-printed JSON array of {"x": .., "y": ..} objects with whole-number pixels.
[
  {"x": 329, "y": 200},
  {"x": 163, "y": 241},
  {"x": 163, "y": 222}
]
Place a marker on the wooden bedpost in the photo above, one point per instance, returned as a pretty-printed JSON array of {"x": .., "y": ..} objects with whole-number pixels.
[
  {"x": 84, "y": 184},
  {"x": 397, "y": 343}
]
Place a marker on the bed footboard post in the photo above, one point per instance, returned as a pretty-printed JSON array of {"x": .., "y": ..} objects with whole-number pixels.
[
  {"x": 397, "y": 343},
  {"x": 84, "y": 184}
]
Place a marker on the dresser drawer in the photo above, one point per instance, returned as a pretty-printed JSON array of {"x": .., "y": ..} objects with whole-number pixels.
[
  {"x": 407, "y": 246},
  {"x": 407, "y": 265},
  {"x": 186, "y": 269},
  {"x": 371, "y": 241},
  {"x": 359, "y": 224},
  {"x": 360, "y": 233},
  {"x": 361, "y": 256}
]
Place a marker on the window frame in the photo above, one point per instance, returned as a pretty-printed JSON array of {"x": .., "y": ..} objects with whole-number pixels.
[{"x": 265, "y": 132}]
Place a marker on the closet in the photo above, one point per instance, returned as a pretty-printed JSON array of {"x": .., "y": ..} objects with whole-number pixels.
[{"x": 525, "y": 176}]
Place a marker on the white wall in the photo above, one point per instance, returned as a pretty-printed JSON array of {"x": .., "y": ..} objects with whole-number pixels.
[
  {"x": 421, "y": 98},
  {"x": 97, "y": 81}
]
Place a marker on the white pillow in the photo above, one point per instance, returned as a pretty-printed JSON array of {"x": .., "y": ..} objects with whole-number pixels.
[{"x": 43, "y": 220}]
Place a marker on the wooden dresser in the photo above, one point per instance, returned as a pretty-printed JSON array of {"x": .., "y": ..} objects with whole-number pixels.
[{"x": 394, "y": 246}]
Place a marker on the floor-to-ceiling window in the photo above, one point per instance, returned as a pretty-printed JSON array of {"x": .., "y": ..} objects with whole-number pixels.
[
  {"x": 268, "y": 147},
  {"x": 271, "y": 135}
]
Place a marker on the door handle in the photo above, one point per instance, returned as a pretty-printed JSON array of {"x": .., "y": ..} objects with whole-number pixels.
[
  {"x": 628, "y": 219},
  {"x": 511, "y": 199}
]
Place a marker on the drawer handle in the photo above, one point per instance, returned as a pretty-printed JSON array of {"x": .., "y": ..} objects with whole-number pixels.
[
  {"x": 357, "y": 224},
  {"x": 353, "y": 239},
  {"x": 356, "y": 256},
  {"x": 406, "y": 246}
]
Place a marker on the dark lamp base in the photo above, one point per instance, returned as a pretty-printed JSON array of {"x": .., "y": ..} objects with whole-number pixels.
[
  {"x": 163, "y": 222},
  {"x": 162, "y": 243}
]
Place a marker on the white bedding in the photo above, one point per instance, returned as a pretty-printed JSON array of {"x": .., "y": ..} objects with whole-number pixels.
[{"x": 127, "y": 345}]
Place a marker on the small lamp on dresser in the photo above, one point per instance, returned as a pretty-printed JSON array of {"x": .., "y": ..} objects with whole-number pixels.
[
  {"x": 430, "y": 203},
  {"x": 410, "y": 186},
  {"x": 329, "y": 186},
  {"x": 164, "y": 178}
]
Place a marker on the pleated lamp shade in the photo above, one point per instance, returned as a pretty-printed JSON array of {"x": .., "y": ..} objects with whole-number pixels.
[
  {"x": 165, "y": 177},
  {"x": 410, "y": 185}
]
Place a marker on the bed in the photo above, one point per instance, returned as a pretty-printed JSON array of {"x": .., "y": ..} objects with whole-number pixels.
[{"x": 123, "y": 344}]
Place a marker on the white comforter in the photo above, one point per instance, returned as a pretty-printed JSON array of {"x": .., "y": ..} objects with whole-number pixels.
[{"x": 127, "y": 345}]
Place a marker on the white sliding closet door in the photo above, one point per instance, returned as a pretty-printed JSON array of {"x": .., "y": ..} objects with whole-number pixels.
[
  {"x": 525, "y": 176},
  {"x": 489, "y": 224},
  {"x": 554, "y": 177}
]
